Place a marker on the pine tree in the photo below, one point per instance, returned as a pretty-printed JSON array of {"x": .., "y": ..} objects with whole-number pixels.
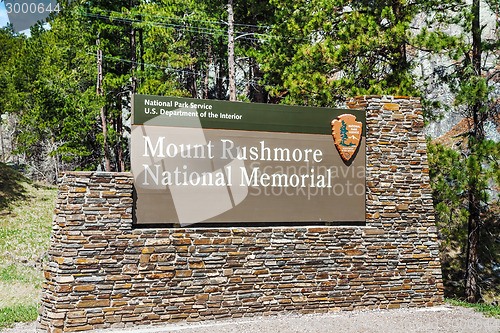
[
  {"x": 329, "y": 50},
  {"x": 470, "y": 78},
  {"x": 9, "y": 101},
  {"x": 343, "y": 134}
]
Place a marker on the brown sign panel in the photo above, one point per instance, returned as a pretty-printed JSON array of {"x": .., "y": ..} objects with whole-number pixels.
[{"x": 187, "y": 173}]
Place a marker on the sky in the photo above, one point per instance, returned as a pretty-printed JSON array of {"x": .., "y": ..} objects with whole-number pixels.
[{"x": 4, "y": 19}]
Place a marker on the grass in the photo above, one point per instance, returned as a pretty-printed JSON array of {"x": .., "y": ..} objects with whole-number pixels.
[
  {"x": 17, "y": 313},
  {"x": 486, "y": 309},
  {"x": 26, "y": 214},
  {"x": 15, "y": 273}
]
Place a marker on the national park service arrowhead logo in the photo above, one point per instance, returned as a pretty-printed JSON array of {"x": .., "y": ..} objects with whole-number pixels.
[{"x": 346, "y": 132}]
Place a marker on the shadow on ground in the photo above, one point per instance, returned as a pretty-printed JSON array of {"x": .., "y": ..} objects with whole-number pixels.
[{"x": 11, "y": 185}]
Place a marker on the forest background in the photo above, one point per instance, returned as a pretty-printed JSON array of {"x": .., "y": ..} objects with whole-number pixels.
[{"x": 66, "y": 88}]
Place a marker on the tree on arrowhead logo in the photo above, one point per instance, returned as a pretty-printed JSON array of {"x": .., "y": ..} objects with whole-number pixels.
[{"x": 346, "y": 132}]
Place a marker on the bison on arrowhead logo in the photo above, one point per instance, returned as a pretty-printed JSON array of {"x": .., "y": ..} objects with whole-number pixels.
[{"x": 346, "y": 132}]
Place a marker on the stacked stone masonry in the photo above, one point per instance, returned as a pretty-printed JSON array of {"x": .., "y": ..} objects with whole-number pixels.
[{"x": 104, "y": 272}]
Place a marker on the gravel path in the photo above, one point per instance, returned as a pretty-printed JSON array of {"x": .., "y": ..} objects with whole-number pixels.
[{"x": 442, "y": 319}]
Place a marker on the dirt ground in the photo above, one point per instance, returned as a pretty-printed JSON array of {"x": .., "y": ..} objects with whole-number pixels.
[{"x": 442, "y": 319}]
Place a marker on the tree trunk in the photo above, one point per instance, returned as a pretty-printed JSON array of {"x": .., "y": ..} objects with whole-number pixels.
[
  {"x": 471, "y": 282},
  {"x": 401, "y": 62},
  {"x": 100, "y": 92},
  {"x": 191, "y": 81},
  {"x": 472, "y": 292},
  {"x": 220, "y": 81},
  {"x": 259, "y": 93},
  {"x": 120, "y": 156},
  {"x": 141, "y": 50},
  {"x": 206, "y": 80},
  {"x": 133, "y": 55},
  {"x": 230, "y": 52},
  {"x": 1, "y": 139}
]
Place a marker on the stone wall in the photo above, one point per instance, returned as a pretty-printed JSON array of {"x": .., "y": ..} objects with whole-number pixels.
[{"x": 103, "y": 272}]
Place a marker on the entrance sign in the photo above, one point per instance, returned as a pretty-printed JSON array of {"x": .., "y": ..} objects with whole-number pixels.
[{"x": 204, "y": 161}]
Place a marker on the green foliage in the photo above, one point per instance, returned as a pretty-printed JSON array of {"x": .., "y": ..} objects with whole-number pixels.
[
  {"x": 176, "y": 48},
  {"x": 177, "y": 53},
  {"x": 453, "y": 172},
  {"x": 449, "y": 183},
  {"x": 10, "y": 46},
  {"x": 306, "y": 52},
  {"x": 16, "y": 314},
  {"x": 53, "y": 83},
  {"x": 333, "y": 49}
]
